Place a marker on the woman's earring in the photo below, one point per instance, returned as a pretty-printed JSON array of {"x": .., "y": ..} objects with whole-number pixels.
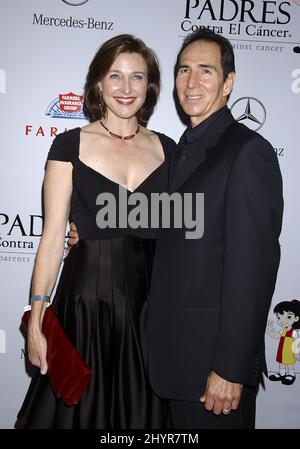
[{"x": 101, "y": 101}]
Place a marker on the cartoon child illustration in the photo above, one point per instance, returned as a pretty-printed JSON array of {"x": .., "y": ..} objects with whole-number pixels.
[{"x": 288, "y": 317}]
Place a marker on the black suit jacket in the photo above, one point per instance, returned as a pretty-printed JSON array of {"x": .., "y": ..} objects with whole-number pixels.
[{"x": 210, "y": 297}]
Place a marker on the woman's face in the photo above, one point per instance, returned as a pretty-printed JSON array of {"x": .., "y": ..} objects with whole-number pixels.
[{"x": 124, "y": 87}]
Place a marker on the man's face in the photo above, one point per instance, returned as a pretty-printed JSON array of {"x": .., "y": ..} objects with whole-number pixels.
[{"x": 199, "y": 82}]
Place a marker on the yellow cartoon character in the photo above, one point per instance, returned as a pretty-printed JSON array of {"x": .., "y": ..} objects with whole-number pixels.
[{"x": 288, "y": 315}]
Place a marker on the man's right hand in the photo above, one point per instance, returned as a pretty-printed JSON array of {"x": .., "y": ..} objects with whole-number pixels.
[
  {"x": 73, "y": 235},
  {"x": 221, "y": 396}
]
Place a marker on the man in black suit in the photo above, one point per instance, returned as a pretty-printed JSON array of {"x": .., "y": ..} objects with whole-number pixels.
[{"x": 210, "y": 297}]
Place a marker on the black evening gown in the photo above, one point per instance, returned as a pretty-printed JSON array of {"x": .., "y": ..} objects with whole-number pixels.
[{"x": 102, "y": 303}]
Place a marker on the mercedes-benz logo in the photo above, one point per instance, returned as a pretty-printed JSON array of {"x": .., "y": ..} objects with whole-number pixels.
[
  {"x": 250, "y": 111},
  {"x": 75, "y": 3}
]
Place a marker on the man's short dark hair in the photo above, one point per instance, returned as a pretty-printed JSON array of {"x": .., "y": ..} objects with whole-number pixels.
[{"x": 204, "y": 34}]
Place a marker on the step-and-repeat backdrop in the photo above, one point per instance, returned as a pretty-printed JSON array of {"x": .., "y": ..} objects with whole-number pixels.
[{"x": 46, "y": 47}]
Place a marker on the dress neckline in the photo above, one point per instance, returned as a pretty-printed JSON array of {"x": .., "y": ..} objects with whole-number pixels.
[
  {"x": 115, "y": 182},
  {"x": 96, "y": 172}
]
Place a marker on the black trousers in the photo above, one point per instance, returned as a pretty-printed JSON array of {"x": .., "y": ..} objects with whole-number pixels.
[{"x": 193, "y": 415}]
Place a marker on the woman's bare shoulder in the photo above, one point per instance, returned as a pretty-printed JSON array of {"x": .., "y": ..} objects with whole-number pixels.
[
  {"x": 154, "y": 135},
  {"x": 148, "y": 133},
  {"x": 91, "y": 128}
]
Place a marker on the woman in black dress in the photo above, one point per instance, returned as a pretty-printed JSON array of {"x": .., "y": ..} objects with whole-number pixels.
[{"x": 102, "y": 295}]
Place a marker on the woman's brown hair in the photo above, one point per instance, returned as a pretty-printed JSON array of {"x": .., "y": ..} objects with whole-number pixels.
[{"x": 102, "y": 62}]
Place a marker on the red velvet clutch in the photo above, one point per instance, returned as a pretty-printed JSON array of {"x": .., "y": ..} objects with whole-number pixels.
[{"x": 69, "y": 374}]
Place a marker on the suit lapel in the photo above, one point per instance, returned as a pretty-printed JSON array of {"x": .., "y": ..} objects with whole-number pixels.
[
  {"x": 195, "y": 155},
  {"x": 196, "y": 152}
]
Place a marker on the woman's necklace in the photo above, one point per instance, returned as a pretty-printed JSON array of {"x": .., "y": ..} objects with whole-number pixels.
[{"x": 117, "y": 136}]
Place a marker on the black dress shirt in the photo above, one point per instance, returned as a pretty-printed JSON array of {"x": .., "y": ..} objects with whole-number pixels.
[{"x": 190, "y": 135}]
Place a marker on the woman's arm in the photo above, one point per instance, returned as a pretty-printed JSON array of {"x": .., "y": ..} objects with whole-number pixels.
[{"x": 57, "y": 195}]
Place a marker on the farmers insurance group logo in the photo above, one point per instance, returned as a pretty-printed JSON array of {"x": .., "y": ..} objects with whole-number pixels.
[
  {"x": 238, "y": 18},
  {"x": 67, "y": 105}
]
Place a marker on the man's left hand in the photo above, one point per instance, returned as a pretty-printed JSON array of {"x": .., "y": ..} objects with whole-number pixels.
[
  {"x": 73, "y": 235},
  {"x": 221, "y": 396}
]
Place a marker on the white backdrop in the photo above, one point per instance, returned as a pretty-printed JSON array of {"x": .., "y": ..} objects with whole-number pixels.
[{"x": 46, "y": 47}]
